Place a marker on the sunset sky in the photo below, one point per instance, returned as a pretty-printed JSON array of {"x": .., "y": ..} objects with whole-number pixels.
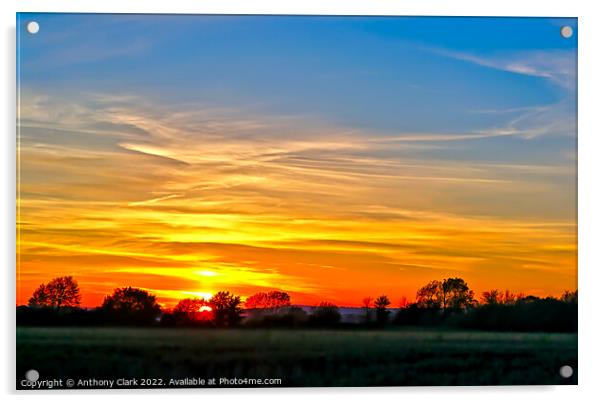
[{"x": 330, "y": 157}]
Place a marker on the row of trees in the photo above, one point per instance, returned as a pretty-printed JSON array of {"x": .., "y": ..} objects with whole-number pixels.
[
  {"x": 131, "y": 305},
  {"x": 449, "y": 302}
]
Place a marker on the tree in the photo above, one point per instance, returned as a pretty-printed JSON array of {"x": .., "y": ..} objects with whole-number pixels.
[
  {"x": 491, "y": 297},
  {"x": 449, "y": 294},
  {"x": 494, "y": 296},
  {"x": 189, "y": 305},
  {"x": 509, "y": 298},
  {"x": 40, "y": 297},
  {"x": 226, "y": 308},
  {"x": 278, "y": 299},
  {"x": 272, "y": 300},
  {"x": 58, "y": 293},
  {"x": 256, "y": 301},
  {"x": 382, "y": 313},
  {"x": 456, "y": 294},
  {"x": 193, "y": 310},
  {"x": 131, "y": 305},
  {"x": 570, "y": 297},
  {"x": 429, "y": 296},
  {"x": 325, "y": 314}
]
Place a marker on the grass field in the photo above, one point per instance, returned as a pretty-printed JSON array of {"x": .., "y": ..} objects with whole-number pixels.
[{"x": 299, "y": 357}]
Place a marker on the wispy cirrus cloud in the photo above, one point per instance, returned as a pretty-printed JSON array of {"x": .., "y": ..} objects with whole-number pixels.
[
  {"x": 265, "y": 202},
  {"x": 243, "y": 151},
  {"x": 557, "y": 66}
]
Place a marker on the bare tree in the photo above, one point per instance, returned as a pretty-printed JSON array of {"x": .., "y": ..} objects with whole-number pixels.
[
  {"x": 491, "y": 297},
  {"x": 382, "y": 313}
]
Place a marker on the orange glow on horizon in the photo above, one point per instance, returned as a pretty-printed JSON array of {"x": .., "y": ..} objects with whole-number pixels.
[{"x": 327, "y": 216}]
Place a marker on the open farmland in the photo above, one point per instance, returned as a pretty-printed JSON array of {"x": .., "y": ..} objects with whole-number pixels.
[{"x": 298, "y": 357}]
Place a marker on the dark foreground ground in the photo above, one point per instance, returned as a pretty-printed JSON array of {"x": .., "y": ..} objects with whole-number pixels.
[{"x": 186, "y": 357}]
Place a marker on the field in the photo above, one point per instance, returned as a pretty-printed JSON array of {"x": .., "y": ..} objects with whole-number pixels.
[{"x": 298, "y": 358}]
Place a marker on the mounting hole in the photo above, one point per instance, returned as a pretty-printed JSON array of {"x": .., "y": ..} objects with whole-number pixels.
[
  {"x": 33, "y": 27},
  {"x": 32, "y": 375},
  {"x": 566, "y": 371},
  {"x": 566, "y": 32}
]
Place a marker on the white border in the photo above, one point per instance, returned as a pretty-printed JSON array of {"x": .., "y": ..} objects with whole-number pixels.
[
  {"x": 590, "y": 200},
  {"x": 340, "y": 7}
]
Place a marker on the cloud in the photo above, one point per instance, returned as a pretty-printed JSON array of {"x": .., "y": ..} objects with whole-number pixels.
[
  {"x": 275, "y": 202},
  {"x": 196, "y": 151},
  {"x": 154, "y": 200},
  {"x": 557, "y": 66}
]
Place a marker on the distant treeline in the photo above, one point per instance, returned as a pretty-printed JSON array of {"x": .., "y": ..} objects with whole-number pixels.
[{"x": 447, "y": 303}]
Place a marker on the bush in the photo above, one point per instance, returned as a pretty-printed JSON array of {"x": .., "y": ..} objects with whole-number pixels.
[{"x": 324, "y": 315}]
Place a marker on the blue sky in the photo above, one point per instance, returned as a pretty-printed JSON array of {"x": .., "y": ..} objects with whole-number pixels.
[
  {"x": 509, "y": 82},
  {"x": 386, "y": 74}
]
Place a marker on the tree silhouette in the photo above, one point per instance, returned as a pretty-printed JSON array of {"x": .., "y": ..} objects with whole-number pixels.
[
  {"x": 193, "y": 310},
  {"x": 491, "y": 297},
  {"x": 226, "y": 308},
  {"x": 188, "y": 305},
  {"x": 58, "y": 293},
  {"x": 256, "y": 301},
  {"x": 569, "y": 297},
  {"x": 449, "y": 294},
  {"x": 510, "y": 298},
  {"x": 131, "y": 305},
  {"x": 40, "y": 297},
  {"x": 456, "y": 294},
  {"x": 430, "y": 296},
  {"x": 494, "y": 296},
  {"x": 270, "y": 300},
  {"x": 382, "y": 313}
]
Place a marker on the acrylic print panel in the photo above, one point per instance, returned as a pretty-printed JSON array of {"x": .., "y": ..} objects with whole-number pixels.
[{"x": 277, "y": 201}]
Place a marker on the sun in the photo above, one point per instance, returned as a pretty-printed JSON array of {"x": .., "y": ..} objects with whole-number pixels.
[{"x": 207, "y": 273}]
